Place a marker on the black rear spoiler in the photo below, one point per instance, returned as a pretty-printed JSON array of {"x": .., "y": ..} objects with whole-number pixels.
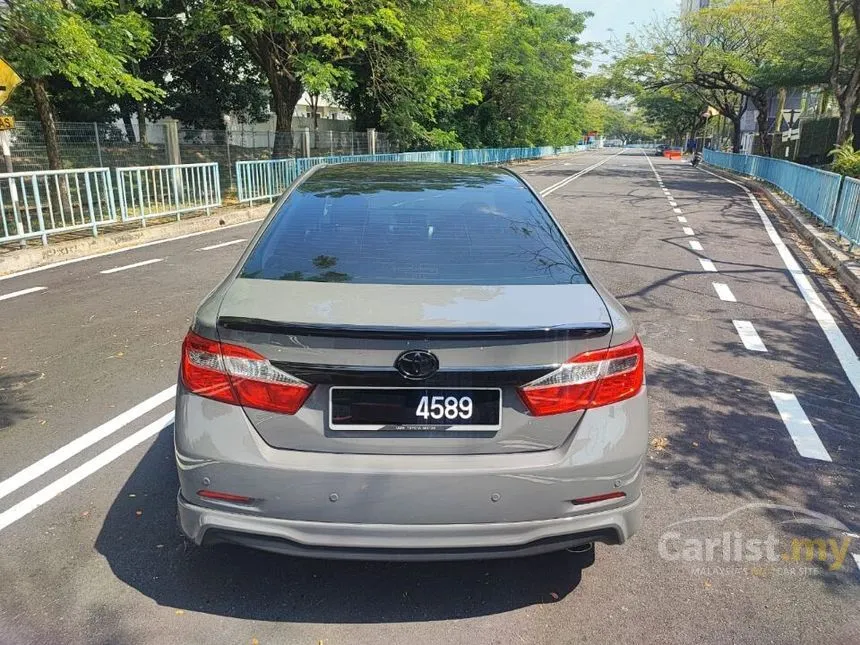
[{"x": 558, "y": 332}]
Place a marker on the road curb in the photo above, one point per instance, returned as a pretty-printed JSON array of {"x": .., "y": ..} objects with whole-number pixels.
[
  {"x": 847, "y": 268},
  {"x": 31, "y": 258}
]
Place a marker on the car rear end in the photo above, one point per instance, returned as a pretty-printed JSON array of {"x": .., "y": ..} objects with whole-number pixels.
[{"x": 410, "y": 362}]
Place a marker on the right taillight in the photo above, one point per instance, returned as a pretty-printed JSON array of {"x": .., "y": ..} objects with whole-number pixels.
[
  {"x": 589, "y": 380},
  {"x": 237, "y": 375}
]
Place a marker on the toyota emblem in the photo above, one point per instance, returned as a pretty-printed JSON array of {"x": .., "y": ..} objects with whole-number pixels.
[{"x": 417, "y": 364}]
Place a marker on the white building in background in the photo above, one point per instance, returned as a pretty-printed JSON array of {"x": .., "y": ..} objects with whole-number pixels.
[{"x": 693, "y": 5}]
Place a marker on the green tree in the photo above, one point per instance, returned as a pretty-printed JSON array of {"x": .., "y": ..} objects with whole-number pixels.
[
  {"x": 89, "y": 43},
  {"x": 844, "y": 69},
  {"x": 673, "y": 112},
  {"x": 535, "y": 94},
  {"x": 418, "y": 86},
  {"x": 299, "y": 43}
]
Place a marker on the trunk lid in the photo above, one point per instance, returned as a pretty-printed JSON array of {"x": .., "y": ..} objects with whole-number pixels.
[{"x": 350, "y": 335}]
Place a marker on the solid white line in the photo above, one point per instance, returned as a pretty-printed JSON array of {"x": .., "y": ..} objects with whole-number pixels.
[
  {"x": 802, "y": 433},
  {"x": 682, "y": 219},
  {"x": 707, "y": 265},
  {"x": 688, "y": 231},
  {"x": 83, "y": 442},
  {"x": 749, "y": 336},
  {"x": 676, "y": 211},
  {"x": 83, "y": 471},
  {"x": 696, "y": 245},
  {"x": 132, "y": 266},
  {"x": 23, "y": 292},
  {"x": 841, "y": 347},
  {"x": 223, "y": 244},
  {"x": 94, "y": 256},
  {"x": 724, "y": 292},
  {"x": 567, "y": 180}
]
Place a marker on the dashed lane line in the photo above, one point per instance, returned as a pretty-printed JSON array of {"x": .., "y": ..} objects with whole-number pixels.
[
  {"x": 126, "y": 267},
  {"x": 749, "y": 336},
  {"x": 802, "y": 433},
  {"x": 724, "y": 292},
  {"x": 22, "y": 292},
  {"x": 841, "y": 347},
  {"x": 707, "y": 265},
  {"x": 223, "y": 244},
  {"x": 682, "y": 219},
  {"x": 688, "y": 231},
  {"x": 696, "y": 245}
]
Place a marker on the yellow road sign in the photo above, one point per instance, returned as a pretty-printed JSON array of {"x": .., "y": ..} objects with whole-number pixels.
[
  {"x": 7, "y": 122},
  {"x": 9, "y": 80}
]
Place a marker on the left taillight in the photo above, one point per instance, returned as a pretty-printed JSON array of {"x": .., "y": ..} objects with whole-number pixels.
[
  {"x": 237, "y": 375},
  {"x": 589, "y": 380}
]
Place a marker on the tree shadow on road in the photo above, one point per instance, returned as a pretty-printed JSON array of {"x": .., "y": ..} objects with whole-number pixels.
[
  {"x": 147, "y": 552},
  {"x": 728, "y": 440},
  {"x": 13, "y": 399}
]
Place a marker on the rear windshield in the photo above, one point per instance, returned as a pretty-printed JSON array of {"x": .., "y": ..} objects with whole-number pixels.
[{"x": 397, "y": 225}]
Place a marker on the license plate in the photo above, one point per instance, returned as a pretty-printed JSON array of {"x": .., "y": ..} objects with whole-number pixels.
[{"x": 415, "y": 409}]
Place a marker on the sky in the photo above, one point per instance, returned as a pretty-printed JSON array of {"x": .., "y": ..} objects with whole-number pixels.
[{"x": 616, "y": 18}]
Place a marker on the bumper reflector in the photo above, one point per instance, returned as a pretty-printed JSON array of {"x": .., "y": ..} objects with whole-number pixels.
[
  {"x": 599, "y": 498},
  {"x": 223, "y": 497}
]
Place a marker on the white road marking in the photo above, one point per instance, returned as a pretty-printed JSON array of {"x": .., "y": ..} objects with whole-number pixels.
[
  {"x": 696, "y": 245},
  {"x": 223, "y": 244},
  {"x": 83, "y": 442},
  {"x": 132, "y": 266},
  {"x": 856, "y": 557},
  {"x": 841, "y": 347},
  {"x": 83, "y": 471},
  {"x": 724, "y": 292},
  {"x": 802, "y": 433},
  {"x": 707, "y": 265},
  {"x": 94, "y": 256},
  {"x": 567, "y": 180},
  {"x": 23, "y": 292},
  {"x": 682, "y": 219},
  {"x": 688, "y": 231},
  {"x": 673, "y": 204},
  {"x": 677, "y": 211},
  {"x": 749, "y": 336}
]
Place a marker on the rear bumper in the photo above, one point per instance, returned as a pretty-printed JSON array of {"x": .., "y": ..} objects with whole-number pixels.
[{"x": 408, "y": 541}]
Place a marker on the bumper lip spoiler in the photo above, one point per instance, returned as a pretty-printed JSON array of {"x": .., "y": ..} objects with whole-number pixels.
[{"x": 557, "y": 332}]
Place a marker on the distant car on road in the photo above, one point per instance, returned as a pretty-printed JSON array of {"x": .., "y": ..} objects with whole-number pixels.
[
  {"x": 658, "y": 151},
  {"x": 410, "y": 361}
]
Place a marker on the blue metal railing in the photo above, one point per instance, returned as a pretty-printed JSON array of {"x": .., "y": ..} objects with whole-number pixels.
[
  {"x": 847, "y": 220},
  {"x": 831, "y": 198},
  {"x": 268, "y": 179}
]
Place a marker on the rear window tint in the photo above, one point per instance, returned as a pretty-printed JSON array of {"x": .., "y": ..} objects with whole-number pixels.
[{"x": 415, "y": 225}]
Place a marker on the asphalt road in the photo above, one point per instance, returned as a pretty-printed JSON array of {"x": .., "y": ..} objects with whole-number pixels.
[{"x": 89, "y": 552}]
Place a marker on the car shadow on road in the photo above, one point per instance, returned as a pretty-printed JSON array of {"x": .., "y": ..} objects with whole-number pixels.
[{"x": 142, "y": 544}]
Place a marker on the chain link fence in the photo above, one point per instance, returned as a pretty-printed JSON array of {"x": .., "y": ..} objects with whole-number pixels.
[{"x": 108, "y": 145}]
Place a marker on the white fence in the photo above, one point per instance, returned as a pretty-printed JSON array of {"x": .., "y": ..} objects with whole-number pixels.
[
  {"x": 159, "y": 191},
  {"x": 49, "y": 202},
  {"x": 34, "y": 204}
]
